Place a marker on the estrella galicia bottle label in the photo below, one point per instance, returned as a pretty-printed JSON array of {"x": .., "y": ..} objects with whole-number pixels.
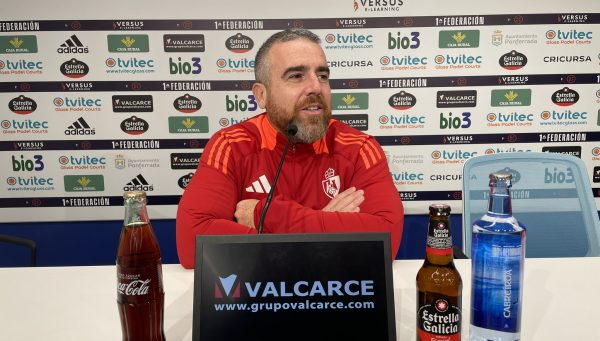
[
  {"x": 497, "y": 275},
  {"x": 439, "y": 240},
  {"x": 439, "y": 319}
]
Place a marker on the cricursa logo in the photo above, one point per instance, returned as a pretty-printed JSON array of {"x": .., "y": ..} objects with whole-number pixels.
[
  {"x": 402, "y": 100},
  {"x": 568, "y": 59},
  {"x": 22, "y": 105},
  {"x": 187, "y": 104},
  {"x": 134, "y": 125},
  {"x": 565, "y": 97},
  {"x": 239, "y": 43},
  {"x": 349, "y": 63},
  {"x": 458, "y": 39},
  {"x": 568, "y": 37},
  {"x": 349, "y": 41},
  {"x": 77, "y": 104},
  {"x": 72, "y": 45},
  {"x": 18, "y": 44},
  {"x": 513, "y": 60},
  {"x": 74, "y": 68}
]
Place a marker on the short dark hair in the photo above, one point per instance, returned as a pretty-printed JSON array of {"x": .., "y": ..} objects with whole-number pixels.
[{"x": 261, "y": 64}]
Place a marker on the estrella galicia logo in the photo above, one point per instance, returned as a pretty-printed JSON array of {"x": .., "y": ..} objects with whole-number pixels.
[
  {"x": 239, "y": 43},
  {"x": 513, "y": 60},
  {"x": 565, "y": 97},
  {"x": 187, "y": 104},
  {"x": 402, "y": 100},
  {"x": 227, "y": 287},
  {"x": 74, "y": 68},
  {"x": 22, "y": 105},
  {"x": 184, "y": 181},
  {"x": 183, "y": 42},
  {"x": 134, "y": 125}
]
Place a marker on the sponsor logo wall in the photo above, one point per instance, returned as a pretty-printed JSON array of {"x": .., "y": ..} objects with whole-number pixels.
[{"x": 92, "y": 108}]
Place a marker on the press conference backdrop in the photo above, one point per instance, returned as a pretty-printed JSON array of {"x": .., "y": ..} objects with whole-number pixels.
[{"x": 102, "y": 97}]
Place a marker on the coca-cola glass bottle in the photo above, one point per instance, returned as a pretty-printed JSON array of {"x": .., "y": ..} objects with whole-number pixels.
[{"x": 140, "y": 294}]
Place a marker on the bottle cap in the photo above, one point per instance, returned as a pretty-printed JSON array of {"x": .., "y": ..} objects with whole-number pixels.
[
  {"x": 134, "y": 195},
  {"x": 501, "y": 177},
  {"x": 439, "y": 209}
]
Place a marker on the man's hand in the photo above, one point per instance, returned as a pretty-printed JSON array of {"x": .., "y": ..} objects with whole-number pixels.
[
  {"x": 347, "y": 201},
  {"x": 244, "y": 212}
]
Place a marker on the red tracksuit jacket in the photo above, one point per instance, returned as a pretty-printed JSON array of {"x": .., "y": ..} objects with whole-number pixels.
[{"x": 239, "y": 162}]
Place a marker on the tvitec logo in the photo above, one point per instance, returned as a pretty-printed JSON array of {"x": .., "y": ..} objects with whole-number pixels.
[
  {"x": 232, "y": 287},
  {"x": 564, "y": 118},
  {"x": 77, "y": 104},
  {"x": 235, "y": 65},
  {"x": 129, "y": 66},
  {"x": 348, "y": 41},
  {"x": 450, "y": 157},
  {"x": 401, "y": 122},
  {"x": 20, "y": 67},
  {"x": 460, "y": 61},
  {"x": 568, "y": 37}
]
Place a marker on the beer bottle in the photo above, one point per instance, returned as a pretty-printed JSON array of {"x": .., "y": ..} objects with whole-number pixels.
[
  {"x": 498, "y": 255},
  {"x": 439, "y": 286},
  {"x": 140, "y": 294}
]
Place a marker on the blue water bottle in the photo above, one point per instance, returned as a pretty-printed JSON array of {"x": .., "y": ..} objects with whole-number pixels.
[{"x": 498, "y": 255}]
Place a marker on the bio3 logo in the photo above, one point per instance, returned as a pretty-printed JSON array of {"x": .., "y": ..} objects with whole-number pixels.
[
  {"x": 241, "y": 104},
  {"x": 179, "y": 67},
  {"x": 455, "y": 122},
  {"x": 404, "y": 42},
  {"x": 26, "y": 165},
  {"x": 555, "y": 176}
]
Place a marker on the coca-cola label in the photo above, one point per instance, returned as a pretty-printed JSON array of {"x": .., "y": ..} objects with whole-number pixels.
[
  {"x": 439, "y": 319},
  {"x": 135, "y": 284}
]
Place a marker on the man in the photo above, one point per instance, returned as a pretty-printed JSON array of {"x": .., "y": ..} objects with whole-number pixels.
[{"x": 334, "y": 178}]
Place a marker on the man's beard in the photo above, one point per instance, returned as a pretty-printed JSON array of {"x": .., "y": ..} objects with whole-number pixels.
[{"x": 310, "y": 128}]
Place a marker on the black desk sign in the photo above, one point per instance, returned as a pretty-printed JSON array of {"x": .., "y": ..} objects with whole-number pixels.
[{"x": 327, "y": 286}]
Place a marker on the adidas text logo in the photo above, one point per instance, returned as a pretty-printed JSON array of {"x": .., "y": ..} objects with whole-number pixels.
[
  {"x": 80, "y": 127},
  {"x": 259, "y": 186},
  {"x": 139, "y": 183},
  {"x": 72, "y": 45}
]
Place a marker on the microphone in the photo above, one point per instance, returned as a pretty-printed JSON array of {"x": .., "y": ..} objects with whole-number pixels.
[{"x": 292, "y": 129}]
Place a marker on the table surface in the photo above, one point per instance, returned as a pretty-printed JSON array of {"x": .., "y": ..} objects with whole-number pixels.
[{"x": 79, "y": 303}]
